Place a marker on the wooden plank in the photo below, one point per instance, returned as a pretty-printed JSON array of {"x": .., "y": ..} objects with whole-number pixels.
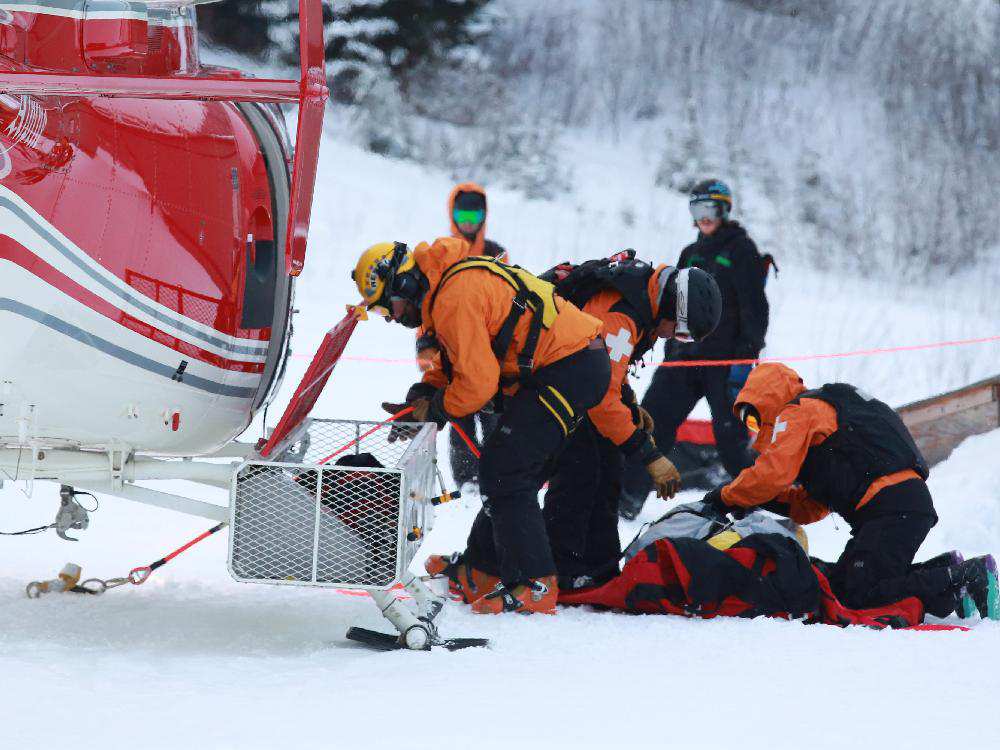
[{"x": 938, "y": 424}]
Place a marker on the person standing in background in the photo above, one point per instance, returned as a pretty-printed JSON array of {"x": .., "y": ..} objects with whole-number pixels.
[
  {"x": 467, "y": 217},
  {"x": 723, "y": 249}
]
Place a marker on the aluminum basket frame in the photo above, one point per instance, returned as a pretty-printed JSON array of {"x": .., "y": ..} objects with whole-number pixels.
[{"x": 416, "y": 468}]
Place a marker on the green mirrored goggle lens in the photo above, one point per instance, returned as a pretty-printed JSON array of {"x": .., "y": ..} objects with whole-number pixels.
[{"x": 469, "y": 217}]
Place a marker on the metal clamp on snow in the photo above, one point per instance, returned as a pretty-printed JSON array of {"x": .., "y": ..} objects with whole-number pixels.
[
  {"x": 67, "y": 580},
  {"x": 69, "y": 577}
]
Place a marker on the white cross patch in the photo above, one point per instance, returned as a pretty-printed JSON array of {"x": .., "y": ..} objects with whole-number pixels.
[
  {"x": 619, "y": 345},
  {"x": 779, "y": 427}
]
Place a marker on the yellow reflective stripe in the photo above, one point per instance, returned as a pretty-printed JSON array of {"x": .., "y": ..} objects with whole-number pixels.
[
  {"x": 516, "y": 277},
  {"x": 555, "y": 414},
  {"x": 563, "y": 401}
]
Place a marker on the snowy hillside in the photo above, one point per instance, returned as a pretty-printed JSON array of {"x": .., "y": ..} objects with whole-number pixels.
[{"x": 194, "y": 659}]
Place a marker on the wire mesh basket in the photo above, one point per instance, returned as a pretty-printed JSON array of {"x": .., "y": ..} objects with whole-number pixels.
[{"x": 340, "y": 506}]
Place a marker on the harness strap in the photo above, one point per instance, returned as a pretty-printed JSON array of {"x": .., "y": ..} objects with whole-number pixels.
[{"x": 524, "y": 299}]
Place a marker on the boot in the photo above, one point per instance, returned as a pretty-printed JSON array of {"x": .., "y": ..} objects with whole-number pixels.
[
  {"x": 978, "y": 577},
  {"x": 945, "y": 559},
  {"x": 464, "y": 582},
  {"x": 964, "y": 606},
  {"x": 537, "y": 595},
  {"x": 956, "y": 601}
]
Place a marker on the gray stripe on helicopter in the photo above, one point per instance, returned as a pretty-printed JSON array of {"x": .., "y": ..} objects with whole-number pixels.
[
  {"x": 132, "y": 299},
  {"x": 79, "y": 8},
  {"x": 121, "y": 353}
]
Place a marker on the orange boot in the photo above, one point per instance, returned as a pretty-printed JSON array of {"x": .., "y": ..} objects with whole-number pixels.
[
  {"x": 538, "y": 595},
  {"x": 464, "y": 582}
]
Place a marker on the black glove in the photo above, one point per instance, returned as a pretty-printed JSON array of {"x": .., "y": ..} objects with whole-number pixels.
[
  {"x": 435, "y": 410},
  {"x": 420, "y": 390},
  {"x": 714, "y": 503}
]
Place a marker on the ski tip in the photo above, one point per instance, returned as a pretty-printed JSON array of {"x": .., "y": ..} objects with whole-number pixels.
[{"x": 389, "y": 642}]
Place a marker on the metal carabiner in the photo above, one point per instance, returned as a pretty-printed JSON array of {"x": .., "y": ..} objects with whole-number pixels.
[
  {"x": 97, "y": 586},
  {"x": 94, "y": 586}
]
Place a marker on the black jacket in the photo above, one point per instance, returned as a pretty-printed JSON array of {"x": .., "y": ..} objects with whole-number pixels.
[{"x": 732, "y": 258}]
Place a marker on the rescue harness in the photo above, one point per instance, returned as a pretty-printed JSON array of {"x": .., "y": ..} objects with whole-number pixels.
[{"x": 530, "y": 294}]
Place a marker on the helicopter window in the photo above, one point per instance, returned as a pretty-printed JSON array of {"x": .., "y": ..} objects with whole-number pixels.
[{"x": 261, "y": 273}]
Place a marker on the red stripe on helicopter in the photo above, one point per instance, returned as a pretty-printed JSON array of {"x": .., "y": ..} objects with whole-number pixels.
[{"x": 31, "y": 263}]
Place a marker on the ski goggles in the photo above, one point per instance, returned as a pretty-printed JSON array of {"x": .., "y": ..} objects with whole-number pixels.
[
  {"x": 475, "y": 216},
  {"x": 704, "y": 210},
  {"x": 750, "y": 417}
]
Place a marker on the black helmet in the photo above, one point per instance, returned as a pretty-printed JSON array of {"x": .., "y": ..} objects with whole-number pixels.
[{"x": 691, "y": 297}]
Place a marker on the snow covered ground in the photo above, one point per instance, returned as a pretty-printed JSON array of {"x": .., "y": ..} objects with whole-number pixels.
[{"x": 193, "y": 658}]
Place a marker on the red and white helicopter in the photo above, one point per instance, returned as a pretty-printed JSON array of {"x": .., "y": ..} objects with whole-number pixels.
[{"x": 152, "y": 225}]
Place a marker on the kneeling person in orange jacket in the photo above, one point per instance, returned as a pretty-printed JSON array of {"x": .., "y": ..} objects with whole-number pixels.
[
  {"x": 838, "y": 449},
  {"x": 636, "y": 304},
  {"x": 499, "y": 329}
]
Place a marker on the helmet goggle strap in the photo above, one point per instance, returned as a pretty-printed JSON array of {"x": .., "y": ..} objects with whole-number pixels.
[
  {"x": 750, "y": 417},
  {"x": 705, "y": 210}
]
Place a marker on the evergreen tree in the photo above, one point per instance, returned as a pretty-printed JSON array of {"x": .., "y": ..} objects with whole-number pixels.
[
  {"x": 245, "y": 26},
  {"x": 399, "y": 34}
]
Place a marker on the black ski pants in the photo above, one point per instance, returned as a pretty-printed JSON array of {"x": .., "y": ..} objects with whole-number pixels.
[
  {"x": 669, "y": 400},
  {"x": 464, "y": 465},
  {"x": 876, "y": 567},
  {"x": 508, "y": 537},
  {"x": 581, "y": 508}
]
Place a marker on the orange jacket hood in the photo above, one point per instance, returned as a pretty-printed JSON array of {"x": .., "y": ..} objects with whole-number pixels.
[
  {"x": 435, "y": 258},
  {"x": 479, "y": 241},
  {"x": 768, "y": 389}
]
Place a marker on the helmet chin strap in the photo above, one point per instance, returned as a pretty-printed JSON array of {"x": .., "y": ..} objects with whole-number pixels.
[
  {"x": 411, "y": 286},
  {"x": 683, "y": 277},
  {"x": 680, "y": 280}
]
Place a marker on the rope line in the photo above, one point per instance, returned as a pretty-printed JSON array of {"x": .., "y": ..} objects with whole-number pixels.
[{"x": 728, "y": 362}]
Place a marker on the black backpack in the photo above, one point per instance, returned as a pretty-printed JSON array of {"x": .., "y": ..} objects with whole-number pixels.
[{"x": 622, "y": 272}]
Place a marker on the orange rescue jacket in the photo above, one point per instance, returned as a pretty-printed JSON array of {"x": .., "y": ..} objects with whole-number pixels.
[
  {"x": 787, "y": 433},
  {"x": 613, "y": 417},
  {"x": 479, "y": 244},
  {"x": 467, "y": 315}
]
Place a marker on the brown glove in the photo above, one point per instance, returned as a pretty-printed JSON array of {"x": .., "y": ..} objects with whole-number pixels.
[
  {"x": 665, "y": 477},
  {"x": 402, "y": 431},
  {"x": 645, "y": 420},
  {"x": 421, "y": 410}
]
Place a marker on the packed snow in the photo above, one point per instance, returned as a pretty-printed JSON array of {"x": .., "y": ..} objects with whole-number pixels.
[{"x": 194, "y": 659}]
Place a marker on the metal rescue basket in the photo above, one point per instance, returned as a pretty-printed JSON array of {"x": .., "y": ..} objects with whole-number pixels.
[
  {"x": 342, "y": 504},
  {"x": 338, "y": 506}
]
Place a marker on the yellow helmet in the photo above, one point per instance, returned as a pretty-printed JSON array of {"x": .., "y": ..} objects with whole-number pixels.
[{"x": 376, "y": 270}]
